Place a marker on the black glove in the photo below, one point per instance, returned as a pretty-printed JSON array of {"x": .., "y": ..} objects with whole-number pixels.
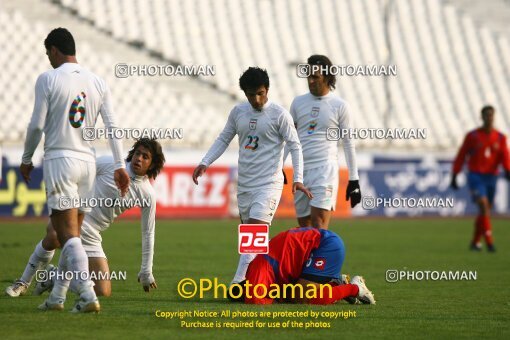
[
  {"x": 353, "y": 192},
  {"x": 507, "y": 175},
  {"x": 284, "y": 177},
  {"x": 453, "y": 184}
]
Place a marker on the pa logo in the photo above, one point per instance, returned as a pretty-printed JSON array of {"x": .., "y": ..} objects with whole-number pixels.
[{"x": 253, "y": 239}]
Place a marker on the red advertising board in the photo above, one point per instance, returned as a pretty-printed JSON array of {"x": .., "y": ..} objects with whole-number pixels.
[{"x": 177, "y": 195}]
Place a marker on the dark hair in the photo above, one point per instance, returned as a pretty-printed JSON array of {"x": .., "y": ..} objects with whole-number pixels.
[
  {"x": 158, "y": 158},
  {"x": 486, "y": 109},
  {"x": 253, "y": 78},
  {"x": 322, "y": 60},
  {"x": 62, "y": 39}
]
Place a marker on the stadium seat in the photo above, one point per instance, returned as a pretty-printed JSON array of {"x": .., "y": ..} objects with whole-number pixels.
[{"x": 448, "y": 65}]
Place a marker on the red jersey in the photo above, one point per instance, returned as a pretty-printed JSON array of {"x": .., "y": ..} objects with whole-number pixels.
[
  {"x": 288, "y": 251},
  {"x": 485, "y": 152}
]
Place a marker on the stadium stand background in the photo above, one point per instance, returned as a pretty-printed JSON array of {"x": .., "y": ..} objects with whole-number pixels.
[{"x": 448, "y": 64}]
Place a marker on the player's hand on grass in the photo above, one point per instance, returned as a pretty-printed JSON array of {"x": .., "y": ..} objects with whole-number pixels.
[
  {"x": 25, "y": 170},
  {"x": 453, "y": 184},
  {"x": 121, "y": 178},
  {"x": 147, "y": 281},
  {"x": 299, "y": 186},
  {"x": 353, "y": 192},
  {"x": 199, "y": 171}
]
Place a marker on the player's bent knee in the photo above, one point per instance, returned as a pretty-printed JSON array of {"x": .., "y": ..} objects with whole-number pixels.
[
  {"x": 319, "y": 224},
  {"x": 103, "y": 288},
  {"x": 305, "y": 221},
  {"x": 50, "y": 244},
  {"x": 50, "y": 240}
]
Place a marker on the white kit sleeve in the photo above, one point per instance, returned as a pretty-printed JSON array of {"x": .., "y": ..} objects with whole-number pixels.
[
  {"x": 148, "y": 231},
  {"x": 348, "y": 144},
  {"x": 110, "y": 123},
  {"x": 289, "y": 134},
  {"x": 36, "y": 125},
  {"x": 221, "y": 143}
]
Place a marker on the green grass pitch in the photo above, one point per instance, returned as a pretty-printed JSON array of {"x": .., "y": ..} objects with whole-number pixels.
[{"x": 207, "y": 248}]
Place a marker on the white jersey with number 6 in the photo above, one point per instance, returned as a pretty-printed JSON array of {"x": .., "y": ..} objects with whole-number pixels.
[
  {"x": 262, "y": 136},
  {"x": 67, "y": 100}
]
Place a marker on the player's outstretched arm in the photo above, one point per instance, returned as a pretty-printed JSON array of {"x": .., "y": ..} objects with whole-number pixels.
[
  {"x": 36, "y": 125},
  {"x": 145, "y": 276},
  {"x": 286, "y": 150},
  {"x": 110, "y": 122},
  {"x": 120, "y": 176},
  {"x": 293, "y": 146},
  {"x": 459, "y": 160},
  {"x": 219, "y": 146},
  {"x": 353, "y": 192}
]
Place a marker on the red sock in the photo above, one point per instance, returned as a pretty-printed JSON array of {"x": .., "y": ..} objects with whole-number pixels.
[
  {"x": 487, "y": 229},
  {"x": 337, "y": 293},
  {"x": 478, "y": 230}
]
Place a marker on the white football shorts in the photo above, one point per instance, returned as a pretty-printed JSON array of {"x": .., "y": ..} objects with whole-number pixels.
[
  {"x": 91, "y": 239},
  {"x": 67, "y": 181},
  {"x": 323, "y": 183},
  {"x": 258, "y": 204}
]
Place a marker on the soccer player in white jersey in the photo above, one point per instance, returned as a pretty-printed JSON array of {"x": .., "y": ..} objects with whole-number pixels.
[
  {"x": 67, "y": 100},
  {"x": 263, "y": 128},
  {"x": 145, "y": 160},
  {"x": 313, "y": 113}
]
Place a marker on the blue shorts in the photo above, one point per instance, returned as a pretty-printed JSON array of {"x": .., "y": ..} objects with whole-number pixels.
[
  {"x": 327, "y": 259},
  {"x": 482, "y": 185}
]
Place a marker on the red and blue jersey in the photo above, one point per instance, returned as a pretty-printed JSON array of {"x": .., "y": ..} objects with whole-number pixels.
[
  {"x": 292, "y": 253},
  {"x": 484, "y": 151},
  {"x": 289, "y": 250},
  {"x": 308, "y": 250}
]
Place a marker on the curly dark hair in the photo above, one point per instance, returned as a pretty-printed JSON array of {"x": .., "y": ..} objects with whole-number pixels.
[{"x": 158, "y": 158}]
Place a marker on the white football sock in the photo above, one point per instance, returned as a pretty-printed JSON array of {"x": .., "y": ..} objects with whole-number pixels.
[
  {"x": 242, "y": 267},
  {"x": 78, "y": 262},
  {"x": 72, "y": 286},
  {"x": 60, "y": 283},
  {"x": 38, "y": 260}
]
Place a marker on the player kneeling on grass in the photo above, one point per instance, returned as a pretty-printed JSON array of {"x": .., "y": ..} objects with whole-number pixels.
[
  {"x": 145, "y": 161},
  {"x": 309, "y": 257}
]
